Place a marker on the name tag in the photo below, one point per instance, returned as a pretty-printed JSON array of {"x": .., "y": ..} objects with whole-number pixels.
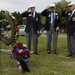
[
  {"x": 49, "y": 15},
  {"x": 56, "y": 13},
  {"x": 69, "y": 13},
  {"x": 30, "y": 15}
]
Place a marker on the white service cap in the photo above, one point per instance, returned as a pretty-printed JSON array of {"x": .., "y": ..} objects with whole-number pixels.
[
  {"x": 31, "y": 5},
  {"x": 72, "y": 3},
  {"x": 52, "y": 5}
]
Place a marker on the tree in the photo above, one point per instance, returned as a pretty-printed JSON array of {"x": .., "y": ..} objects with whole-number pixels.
[
  {"x": 17, "y": 17},
  {"x": 60, "y": 5}
]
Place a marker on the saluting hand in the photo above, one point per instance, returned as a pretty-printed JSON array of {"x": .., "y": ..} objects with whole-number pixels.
[
  {"x": 29, "y": 9},
  {"x": 48, "y": 7},
  {"x": 65, "y": 8}
]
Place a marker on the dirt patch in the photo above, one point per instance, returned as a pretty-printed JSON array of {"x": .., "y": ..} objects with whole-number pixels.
[
  {"x": 9, "y": 69},
  {"x": 32, "y": 65},
  {"x": 68, "y": 63}
]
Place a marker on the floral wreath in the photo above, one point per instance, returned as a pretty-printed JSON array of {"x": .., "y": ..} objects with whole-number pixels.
[
  {"x": 20, "y": 51},
  {"x": 14, "y": 28},
  {"x": 21, "y": 54}
]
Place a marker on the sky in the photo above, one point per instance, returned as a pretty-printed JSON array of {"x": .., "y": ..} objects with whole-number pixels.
[{"x": 22, "y": 5}]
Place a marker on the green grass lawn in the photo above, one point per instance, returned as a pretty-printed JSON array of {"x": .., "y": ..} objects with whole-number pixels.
[{"x": 42, "y": 64}]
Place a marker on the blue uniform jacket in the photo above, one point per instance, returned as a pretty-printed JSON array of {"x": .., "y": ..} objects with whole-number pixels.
[
  {"x": 70, "y": 22},
  {"x": 47, "y": 14},
  {"x": 32, "y": 22}
]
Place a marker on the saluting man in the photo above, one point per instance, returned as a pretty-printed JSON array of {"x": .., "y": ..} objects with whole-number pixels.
[
  {"x": 52, "y": 25},
  {"x": 32, "y": 27},
  {"x": 70, "y": 17}
]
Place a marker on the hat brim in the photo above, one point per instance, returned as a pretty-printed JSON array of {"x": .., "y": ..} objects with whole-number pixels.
[
  {"x": 70, "y": 4},
  {"x": 32, "y": 7}
]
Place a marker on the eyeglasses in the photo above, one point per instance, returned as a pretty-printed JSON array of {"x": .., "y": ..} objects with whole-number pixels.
[
  {"x": 70, "y": 6},
  {"x": 52, "y": 7}
]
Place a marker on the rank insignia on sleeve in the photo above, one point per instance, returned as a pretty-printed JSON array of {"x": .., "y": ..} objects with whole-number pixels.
[
  {"x": 74, "y": 33},
  {"x": 73, "y": 19},
  {"x": 36, "y": 19}
]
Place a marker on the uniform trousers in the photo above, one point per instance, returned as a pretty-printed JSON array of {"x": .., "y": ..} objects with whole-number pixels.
[
  {"x": 49, "y": 38},
  {"x": 32, "y": 36},
  {"x": 71, "y": 43}
]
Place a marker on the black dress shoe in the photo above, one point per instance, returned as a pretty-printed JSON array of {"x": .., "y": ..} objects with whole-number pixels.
[
  {"x": 73, "y": 56},
  {"x": 55, "y": 52},
  {"x": 69, "y": 55},
  {"x": 49, "y": 52}
]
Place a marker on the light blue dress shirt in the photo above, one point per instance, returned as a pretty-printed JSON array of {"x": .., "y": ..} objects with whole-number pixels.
[{"x": 52, "y": 18}]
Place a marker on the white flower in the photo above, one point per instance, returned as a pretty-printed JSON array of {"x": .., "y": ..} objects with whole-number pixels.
[
  {"x": 20, "y": 50},
  {"x": 25, "y": 45}
]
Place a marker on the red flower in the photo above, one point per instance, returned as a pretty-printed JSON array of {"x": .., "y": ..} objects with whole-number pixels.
[
  {"x": 14, "y": 48},
  {"x": 19, "y": 56},
  {"x": 20, "y": 45},
  {"x": 17, "y": 29},
  {"x": 27, "y": 53}
]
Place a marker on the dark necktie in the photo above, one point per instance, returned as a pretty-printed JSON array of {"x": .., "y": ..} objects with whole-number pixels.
[
  {"x": 32, "y": 15},
  {"x": 53, "y": 14}
]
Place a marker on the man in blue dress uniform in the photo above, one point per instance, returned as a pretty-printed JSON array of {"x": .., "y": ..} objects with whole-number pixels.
[
  {"x": 33, "y": 27},
  {"x": 52, "y": 25},
  {"x": 70, "y": 17}
]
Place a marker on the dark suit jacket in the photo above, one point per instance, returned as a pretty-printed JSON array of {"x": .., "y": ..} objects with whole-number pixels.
[
  {"x": 47, "y": 14},
  {"x": 32, "y": 22},
  {"x": 70, "y": 22}
]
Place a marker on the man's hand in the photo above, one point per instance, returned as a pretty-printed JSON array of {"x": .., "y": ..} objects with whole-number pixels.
[
  {"x": 48, "y": 7},
  {"x": 29, "y": 9},
  {"x": 65, "y": 8},
  {"x": 39, "y": 33},
  {"x": 57, "y": 29}
]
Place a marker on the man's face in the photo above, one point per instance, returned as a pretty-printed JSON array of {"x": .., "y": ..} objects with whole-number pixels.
[
  {"x": 52, "y": 8},
  {"x": 72, "y": 7},
  {"x": 32, "y": 9}
]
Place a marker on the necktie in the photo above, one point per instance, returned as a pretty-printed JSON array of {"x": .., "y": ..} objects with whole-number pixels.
[
  {"x": 53, "y": 18},
  {"x": 32, "y": 15}
]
